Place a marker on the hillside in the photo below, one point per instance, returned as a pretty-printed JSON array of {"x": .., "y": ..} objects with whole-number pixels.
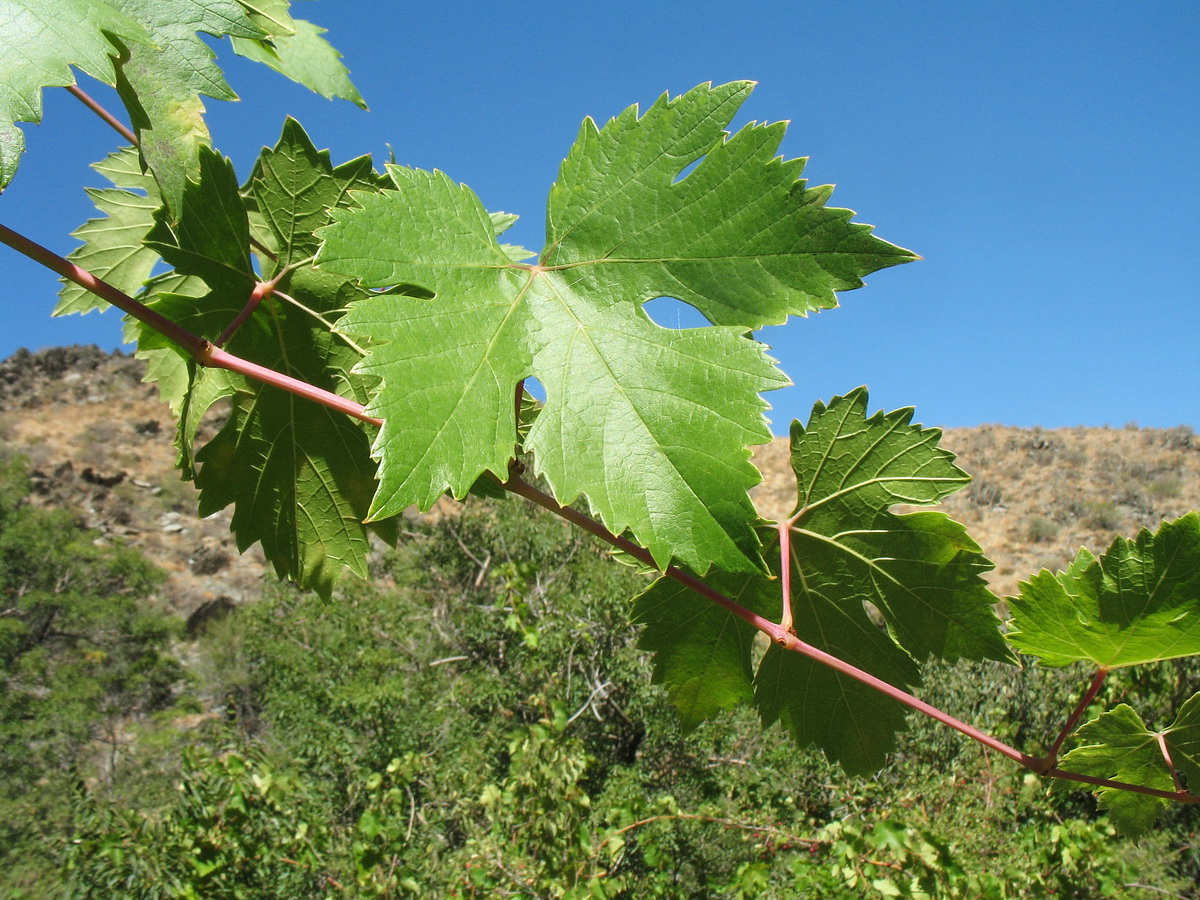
[{"x": 99, "y": 442}]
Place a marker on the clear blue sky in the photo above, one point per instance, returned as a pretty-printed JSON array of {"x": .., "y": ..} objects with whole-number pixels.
[{"x": 1040, "y": 156}]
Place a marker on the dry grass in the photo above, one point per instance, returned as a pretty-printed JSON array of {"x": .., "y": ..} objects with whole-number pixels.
[{"x": 1038, "y": 495}]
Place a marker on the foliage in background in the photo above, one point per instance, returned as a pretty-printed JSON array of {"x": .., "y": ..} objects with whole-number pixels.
[
  {"x": 479, "y": 722},
  {"x": 82, "y": 652}
]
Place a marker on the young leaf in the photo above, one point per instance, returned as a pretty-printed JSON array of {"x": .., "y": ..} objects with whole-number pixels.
[
  {"x": 41, "y": 42},
  {"x": 651, "y": 425},
  {"x": 849, "y": 555},
  {"x": 300, "y": 476},
  {"x": 1118, "y": 746},
  {"x": 1138, "y": 603},
  {"x": 295, "y": 186},
  {"x": 113, "y": 247}
]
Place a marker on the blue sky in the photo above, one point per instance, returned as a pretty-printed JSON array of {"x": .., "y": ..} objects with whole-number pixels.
[{"x": 1039, "y": 156}]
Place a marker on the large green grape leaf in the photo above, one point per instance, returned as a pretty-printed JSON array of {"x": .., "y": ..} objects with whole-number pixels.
[
  {"x": 1118, "y": 746},
  {"x": 300, "y": 476},
  {"x": 113, "y": 248},
  {"x": 1138, "y": 603},
  {"x": 849, "y": 555},
  {"x": 41, "y": 41},
  {"x": 651, "y": 425}
]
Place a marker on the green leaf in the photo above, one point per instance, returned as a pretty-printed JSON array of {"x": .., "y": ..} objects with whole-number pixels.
[
  {"x": 305, "y": 57},
  {"x": 272, "y": 16},
  {"x": 741, "y": 238},
  {"x": 921, "y": 570},
  {"x": 651, "y": 425},
  {"x": 295, "y": 186},
  {"x": 113, "y": 248},
  {"x": 41, "y": 42},
  {"x": 1119, "y": 747},
  {"x": 702, "y": 653},
  {"x": 161, "y": 84},
  {"x": 299, "y": 475},
  {"x": 1138, "y": 603},
  {"x": 1183, "y": 740},
  {"x": 210, "y": 239},
  {"x": 852, "y": 562}
]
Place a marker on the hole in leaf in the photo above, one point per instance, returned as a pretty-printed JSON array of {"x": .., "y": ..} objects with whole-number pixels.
[
  {"x": 536, "y": 389},
  {"x": 668, "y": 312},
  {"x": 404, "y": 290},
  {"x": 687, "y": 170}
]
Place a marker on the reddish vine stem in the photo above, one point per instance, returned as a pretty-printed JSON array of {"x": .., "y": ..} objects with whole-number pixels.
[
  {"x": 206, "y": 354},
  {"x": 785, "y": 572},
  {"x": 116, "y": 124},
  {"x": 260, "y": 292},
  {"x": 773, "y": 630},
  {"x": 1166, "y": 752},
  {"x": 85, "y": 279},
  {"x": 200, "y": 349},
  {"x": 791, "y": 642},
  {"x": 1080, "y": 708}
]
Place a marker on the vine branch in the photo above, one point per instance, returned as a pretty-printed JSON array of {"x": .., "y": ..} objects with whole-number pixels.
[
  {"x": 116, "y": 124},
  {"x": 207, "y": 354},
  {"x": 203, "y": 351}
]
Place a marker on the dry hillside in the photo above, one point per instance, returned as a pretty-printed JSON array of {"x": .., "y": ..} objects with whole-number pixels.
[{"x": 99, "y": 442}]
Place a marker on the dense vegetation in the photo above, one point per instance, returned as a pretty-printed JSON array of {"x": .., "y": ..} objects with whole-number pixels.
[{"x": 478, "y": 721}]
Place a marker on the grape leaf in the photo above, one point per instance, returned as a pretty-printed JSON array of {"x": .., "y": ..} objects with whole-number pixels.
[
  {"x": 1117, "y": 745},
  {"x": 161, "y": 84},
  {"x": 1138, "y": 603},
  {"x": 650, "y": 425},
  {"x": 295, "y": 186},
  {"x": 113, "y": 248},
  {"x": 920, "y": 570},
  {"x": 300, "y": 476},
  {"x": 702, "y": 652},
  {"x": 41, "y": 42},
  {"x": 305, "y": 57},
  {"x": 1183, "y": 740},
  {"x": 849, "y": 555}
]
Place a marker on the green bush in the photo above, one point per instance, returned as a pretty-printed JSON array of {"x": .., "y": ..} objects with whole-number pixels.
[{"x": 477, "y": 722}]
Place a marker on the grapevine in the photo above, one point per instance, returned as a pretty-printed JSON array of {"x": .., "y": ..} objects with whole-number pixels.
[{"x": 380, "y": 360}]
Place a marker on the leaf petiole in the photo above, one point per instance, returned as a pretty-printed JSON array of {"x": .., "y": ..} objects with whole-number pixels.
[{"x": 1069, "y": 726}]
